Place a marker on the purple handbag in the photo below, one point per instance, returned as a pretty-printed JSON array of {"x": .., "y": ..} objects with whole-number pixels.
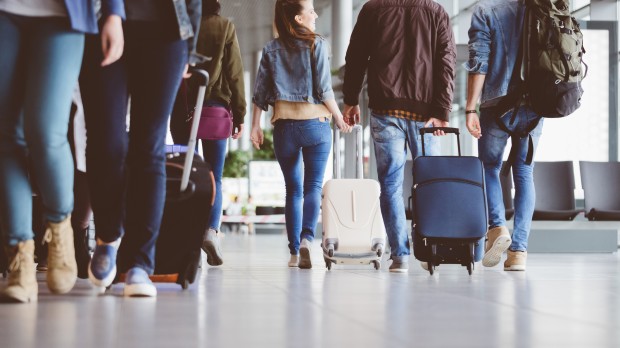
[{"x": 215, "y": 123}]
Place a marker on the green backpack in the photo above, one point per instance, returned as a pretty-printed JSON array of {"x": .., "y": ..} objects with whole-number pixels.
[
  {"x": 548, "y": 66},
  {"x": 552, "y": 50}
]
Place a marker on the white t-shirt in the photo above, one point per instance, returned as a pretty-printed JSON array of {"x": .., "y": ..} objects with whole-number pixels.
[{"x": 35, "y": 8}]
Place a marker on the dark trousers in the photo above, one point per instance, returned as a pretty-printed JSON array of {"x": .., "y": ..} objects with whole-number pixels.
[{"x": 126, "y": 169}]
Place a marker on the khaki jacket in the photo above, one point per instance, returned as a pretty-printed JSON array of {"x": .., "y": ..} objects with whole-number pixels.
[{"x": 218, "y": 40}]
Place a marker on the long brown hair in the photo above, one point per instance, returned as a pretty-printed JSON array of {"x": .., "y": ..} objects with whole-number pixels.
[{"x": 287, "y": 27}]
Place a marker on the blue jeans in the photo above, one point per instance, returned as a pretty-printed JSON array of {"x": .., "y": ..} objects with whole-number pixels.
[
  {"x": 126, "y": 170},
  {"x": 40, "y": 60},
  {"x": 491, "y": 150},
  {"x": 391, "y": 136},
  {"x": 293, "y": 141},
  {"x": 214, "y": 152}
]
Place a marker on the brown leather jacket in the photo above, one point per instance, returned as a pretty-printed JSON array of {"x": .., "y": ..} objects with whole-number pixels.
[{"x": 407, "y": 47}]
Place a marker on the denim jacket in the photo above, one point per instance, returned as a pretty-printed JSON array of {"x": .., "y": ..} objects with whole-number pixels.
[
  {"x": 187, "y": 13},
  {"x": 82, "y": 15},
  {"x": 292, "y": 75},
  {"x": 494, "y": 38}
]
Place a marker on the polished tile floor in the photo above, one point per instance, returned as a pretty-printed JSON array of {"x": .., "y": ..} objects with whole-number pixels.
[{"x": 254, "y": 300}]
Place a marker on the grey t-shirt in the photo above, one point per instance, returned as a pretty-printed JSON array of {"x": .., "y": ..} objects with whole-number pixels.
[{"x": 34, "y": 8}]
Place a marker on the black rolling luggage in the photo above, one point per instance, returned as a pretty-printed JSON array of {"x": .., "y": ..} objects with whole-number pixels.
[
  {"x": 190, "y": 192},
  {"x": 449, "y": 206}
]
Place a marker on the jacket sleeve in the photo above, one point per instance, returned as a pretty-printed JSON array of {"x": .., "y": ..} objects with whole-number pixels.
[
  {"x": 263, "y": 86},
  {"x": 233, "y": 68},
  {"x": 444, "y": 69},
  {"x": 113, "y": 7},
  {"x": 194, "y": 11},
  {"x": 357, "y": 57},
  {"x": 322, "y": 75},
  {"x": 479, "y": 43}
]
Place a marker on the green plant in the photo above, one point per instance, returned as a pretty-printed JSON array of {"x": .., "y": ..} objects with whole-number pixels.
[
  {"x": 236, "y": 164},
  {"x": 266, "y": 150}
]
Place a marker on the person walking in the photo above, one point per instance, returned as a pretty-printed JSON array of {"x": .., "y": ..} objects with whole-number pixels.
[
  {"x": 126, "y": 162},
  {"x": 217, "y": 40},
  {"x": 406, "y": 47},
  {"x": 494, "y": 38},
  {"x": 40, "y": 54},
  {"x": 294, "y": 78}
]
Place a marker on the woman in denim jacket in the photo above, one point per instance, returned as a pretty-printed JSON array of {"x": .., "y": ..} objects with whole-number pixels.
[
  {"x": 294, "y": 77},
  {"x": 40, "y": 54}
]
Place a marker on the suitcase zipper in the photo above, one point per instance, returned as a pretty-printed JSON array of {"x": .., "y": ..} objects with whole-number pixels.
[{"x": 433, "y": 181}]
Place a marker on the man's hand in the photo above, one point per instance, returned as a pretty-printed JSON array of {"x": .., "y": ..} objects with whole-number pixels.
[
  {"x": 435, "y": 122},
  {"x": 473, "y": 125},
  {"x": 112, "y": 39},
  {"x": 352, "y": 114}
]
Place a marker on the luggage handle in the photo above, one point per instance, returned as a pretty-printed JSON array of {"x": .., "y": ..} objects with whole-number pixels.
[
  {"x": 359, "y": 152},
  {"x": 453, "y": 130},
  {"x": 203, "y": 77}
]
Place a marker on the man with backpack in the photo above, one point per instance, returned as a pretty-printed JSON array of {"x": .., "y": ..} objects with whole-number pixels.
[{"x": 522, "y": 65}]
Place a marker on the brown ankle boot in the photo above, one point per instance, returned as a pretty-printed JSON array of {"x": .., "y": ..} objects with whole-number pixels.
[
  {"x": 62, "y": 267},
  {"x": 22, "y": 285}
]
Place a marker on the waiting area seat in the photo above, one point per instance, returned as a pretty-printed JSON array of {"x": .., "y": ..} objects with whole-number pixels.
[
  {"x": 601, "y": 186},
  {"x": 555, "y": 191}
]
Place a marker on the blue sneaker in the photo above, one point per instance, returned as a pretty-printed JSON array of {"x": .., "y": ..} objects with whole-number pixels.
[
  {"x": 102, "y": 267},
  {"x": 138, "y": 284}
]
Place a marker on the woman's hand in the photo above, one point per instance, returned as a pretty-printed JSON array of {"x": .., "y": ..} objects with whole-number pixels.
[
  {"x": 112, "y": 39},
  {"x": 342, "y": 125},
  {"x": 237, "y": 131},
  {"x": 256, "y": 136}
]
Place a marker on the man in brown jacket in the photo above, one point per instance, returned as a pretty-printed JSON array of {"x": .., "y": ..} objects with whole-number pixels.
[{"x": 406, "y": 47}]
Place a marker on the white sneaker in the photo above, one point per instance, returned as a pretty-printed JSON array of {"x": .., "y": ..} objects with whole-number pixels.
[
  {"x": 211, "y": 246},
  {"x": 424, "y": 265}
]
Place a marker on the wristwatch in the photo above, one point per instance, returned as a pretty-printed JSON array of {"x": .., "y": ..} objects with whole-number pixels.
[{"x": 467, "y": 112}]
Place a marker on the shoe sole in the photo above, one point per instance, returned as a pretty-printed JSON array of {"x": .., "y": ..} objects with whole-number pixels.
[
  {"x": 399, "y": 270},
  {"x": 515, "y": 268},
  {"x": 102, "y": 283},
  {"x": 213, "y": 256},
  {"x": 18, "y": 299},
  {"x": 494, "y": 255},
  {"x": 304, "y": 258},
  {"x": 140, "y": 290}
]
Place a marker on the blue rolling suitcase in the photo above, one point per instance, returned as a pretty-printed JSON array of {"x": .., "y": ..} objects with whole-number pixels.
[{"x": 449, "y": 207}]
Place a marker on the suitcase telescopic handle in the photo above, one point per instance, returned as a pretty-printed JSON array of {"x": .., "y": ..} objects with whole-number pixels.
[
  {"x": 202, "y": 79},
  {"x": 359, "y": 152},
  {"x": 455, "y": 131}
]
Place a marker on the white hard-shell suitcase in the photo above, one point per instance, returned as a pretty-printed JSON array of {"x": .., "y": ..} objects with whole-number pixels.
[{"x": 353, "y": 229}]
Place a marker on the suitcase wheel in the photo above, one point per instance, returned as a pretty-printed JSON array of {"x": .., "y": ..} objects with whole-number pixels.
[
  {"x": 328, "y": 263},
  {"x": 185, "y": 284},
  {"x": 377, "y": 264},
  {"x": 330, "y": 250},
  {"x": 379, "y": 249}
]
